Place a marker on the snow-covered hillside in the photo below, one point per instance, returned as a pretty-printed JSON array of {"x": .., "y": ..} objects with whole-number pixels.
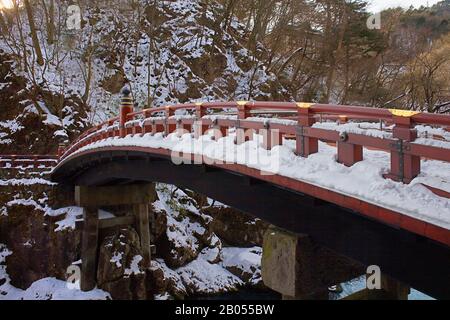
[{"x": 167, "y": 53}]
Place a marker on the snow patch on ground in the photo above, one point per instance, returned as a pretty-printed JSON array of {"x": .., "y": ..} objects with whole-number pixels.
[
  {"x": 246, "y": 259},
  {"x": 26, "y": 182},
  {"x": 43, "y": 289},
  {"x": 208, "y": 278}
]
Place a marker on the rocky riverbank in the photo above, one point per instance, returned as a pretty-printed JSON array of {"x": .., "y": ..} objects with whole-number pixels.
[{"x": 202, "y": 247}]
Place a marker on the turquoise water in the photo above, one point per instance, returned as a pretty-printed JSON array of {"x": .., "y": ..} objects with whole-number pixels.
[{"x": 258, "y": 294}]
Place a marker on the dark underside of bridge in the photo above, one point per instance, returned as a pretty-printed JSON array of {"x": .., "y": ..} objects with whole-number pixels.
[{"x": 417, "y": 261}]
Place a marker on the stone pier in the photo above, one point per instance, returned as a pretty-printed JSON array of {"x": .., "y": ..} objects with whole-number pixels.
[{"x": 298, "y": 268}]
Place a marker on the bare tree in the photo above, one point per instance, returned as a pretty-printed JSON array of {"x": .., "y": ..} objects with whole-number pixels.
[{"x": 33, "y": 31}]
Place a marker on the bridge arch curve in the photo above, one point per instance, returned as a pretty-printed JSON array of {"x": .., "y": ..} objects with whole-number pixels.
[{"x": 402, "y": 254}]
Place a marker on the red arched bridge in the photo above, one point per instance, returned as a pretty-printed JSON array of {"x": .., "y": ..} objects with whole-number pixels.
[{"x": 372, "y": 184}]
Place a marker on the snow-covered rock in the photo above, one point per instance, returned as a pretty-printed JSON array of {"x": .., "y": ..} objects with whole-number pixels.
[
  {"x": 120, "y": 269},
  {"x": 244, "y": 263},
  {"x": 43, "y": 289}
]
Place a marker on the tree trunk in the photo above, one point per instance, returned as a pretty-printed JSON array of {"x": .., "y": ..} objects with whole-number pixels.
[{"x": 34, "y": 37}]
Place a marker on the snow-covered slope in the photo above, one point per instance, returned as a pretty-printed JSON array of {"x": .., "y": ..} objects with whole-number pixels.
[{"x": 168, "y": 52}]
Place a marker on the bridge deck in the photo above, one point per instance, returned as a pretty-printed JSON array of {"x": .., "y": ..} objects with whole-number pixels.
[{"x": 413, "y": 207}]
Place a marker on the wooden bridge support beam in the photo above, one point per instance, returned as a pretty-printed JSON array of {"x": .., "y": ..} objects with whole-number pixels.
[
  {"x": 143, "y": 227},
  {"x": 298, "y": 268},
  {"x": 89, "y": 249},
  {"x": 92, "y": 198}
]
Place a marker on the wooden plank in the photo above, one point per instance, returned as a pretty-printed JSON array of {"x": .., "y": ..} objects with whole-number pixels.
[
  {"x": 114, "y": 195},
  {"x": 116, "y": 222},
  {"x": 89, "y": 249},
  {"x": 143, "y": 226}
]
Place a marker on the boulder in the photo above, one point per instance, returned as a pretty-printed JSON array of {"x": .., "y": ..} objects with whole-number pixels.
[
  {"x": 120, "y": 266},
  {"x": 163, "y": 280},
  {"x": 236, "y": 228},
  {"x": 39, "y": 251},
  {"x": 244, "y": 263}
]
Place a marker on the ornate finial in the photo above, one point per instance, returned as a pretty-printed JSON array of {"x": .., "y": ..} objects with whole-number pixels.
[{"x": 126, "y": 92}]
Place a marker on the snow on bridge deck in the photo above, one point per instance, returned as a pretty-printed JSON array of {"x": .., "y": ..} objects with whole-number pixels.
[{"x": 364, "y": 180}]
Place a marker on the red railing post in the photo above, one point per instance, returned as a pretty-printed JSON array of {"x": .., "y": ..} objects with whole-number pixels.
[
  {"x": 199, "y": 127},
  {"x": 148, "y": 123},
  {"x": 271, "y": 138},
  {"x": 347, "y": 153},
  {"x": 61, "y": 149},
  {"x": 219, "y": 132},
  {"x": 243, "y": 135},
  {"x": 169, "y": 128},
  {"x": 404, "y": 167},
  {"x": 305, "y": 145},
  {"x": 183, "y": 127},
  {"x": 126, "y": 108}
]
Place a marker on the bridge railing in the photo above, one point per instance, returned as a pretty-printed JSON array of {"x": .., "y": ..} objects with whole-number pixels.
[
  {"x": 299, "y": 122},
  {"x": 24, "y": 161}
]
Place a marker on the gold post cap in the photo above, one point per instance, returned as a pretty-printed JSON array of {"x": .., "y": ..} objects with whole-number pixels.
[
  {"x": 304, "y": 105},
  {"x": 403, "y": 113}
]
